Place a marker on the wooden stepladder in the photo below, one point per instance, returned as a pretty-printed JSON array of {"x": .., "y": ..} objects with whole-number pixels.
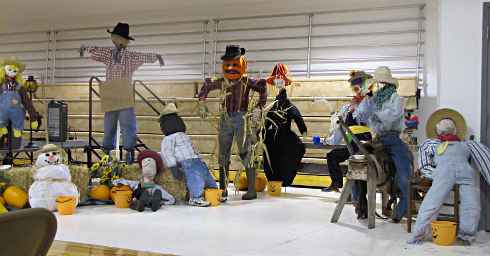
[{"x": 366, "y": 169}]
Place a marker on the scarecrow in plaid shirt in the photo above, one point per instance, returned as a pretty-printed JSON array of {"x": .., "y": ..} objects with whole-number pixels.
[
  {"x": 120, "y": 64},
  {"x": 236, "y": 87}
]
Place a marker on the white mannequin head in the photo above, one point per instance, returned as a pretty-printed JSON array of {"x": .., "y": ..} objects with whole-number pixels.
[
  {"x": 279, "y": 83},
  {"x": 446, "y": 126},
  {"x": 11, "y": 71},
  {"x": 48, "y": 158}
]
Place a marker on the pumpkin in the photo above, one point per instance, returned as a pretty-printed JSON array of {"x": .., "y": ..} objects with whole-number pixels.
[
  {"x": 115, "y": 189},
  {"x": 234, "y": 69},
  {"x": 66, "y": 205},
  {"x": 15, "y": 197},
  {"x": 260, "y": 183},
  {"x": 100, "y": 192}
]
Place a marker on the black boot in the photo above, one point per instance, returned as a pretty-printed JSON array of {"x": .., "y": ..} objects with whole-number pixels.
[
  {"x": 143, "y": 201},
  {"x": 156, "y": 200},
  {"x": 251, "y": 194},
  {"x": 223, "y": 179}
]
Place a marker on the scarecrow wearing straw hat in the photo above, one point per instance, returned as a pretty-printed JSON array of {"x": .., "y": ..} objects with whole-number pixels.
[
  {"x": 360, "y": 84},
  {"x": 179, "y": 155},
  {"x": 14, "y": 100},
  {"x": 120, "y": 65},
  {"x": 285, "y": 150},
  {"x": 445, "y": 158},
  {"x": 383, "y": 112},
  {"x": 240, "y": 116}
]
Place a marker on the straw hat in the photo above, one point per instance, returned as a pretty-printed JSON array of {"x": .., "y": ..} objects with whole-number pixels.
[
  {"x": 49, "y": 148},
  {"x": 355, "y": 75},
  {"x": 446, "y": 113},
  {"x": 383, "y": 75},
  {"x": 170, "y": 108}
]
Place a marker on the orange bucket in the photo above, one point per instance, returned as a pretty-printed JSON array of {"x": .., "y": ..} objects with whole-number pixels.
[
  {"x": 274, "y": 188},
  {"x": 66, "y": 205},
  {"x": 213, "y": 196},
  {"x": 122, "y": 198}
]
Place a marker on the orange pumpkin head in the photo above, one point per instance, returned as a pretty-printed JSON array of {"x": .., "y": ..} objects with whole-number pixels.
[{"x": 234, "y": 69}]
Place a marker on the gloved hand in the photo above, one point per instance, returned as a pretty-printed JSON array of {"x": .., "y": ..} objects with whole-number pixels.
[
  {"x": 35, "y": 125},
  {"x": 176, "y": 173},
  {"x": 370, "y": 94},
  {"x": 203, "y": 109}
]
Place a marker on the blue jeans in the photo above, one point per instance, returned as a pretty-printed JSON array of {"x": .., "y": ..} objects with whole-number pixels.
[
  {"x": 398, "y": 151},
  {"x": 14, "y": 113},
  {"x": 197, "y": 177},
  {"x": 232, "y": 125},
  {"x": 127, "y": 120}
]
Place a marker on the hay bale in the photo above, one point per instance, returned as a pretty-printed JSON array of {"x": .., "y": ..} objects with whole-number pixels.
[
  {"x": 22, "y": 177},
  {"x": 175, "y": 187}
]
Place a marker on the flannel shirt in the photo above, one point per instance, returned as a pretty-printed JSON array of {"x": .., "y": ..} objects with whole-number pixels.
[
  {"x": 176, "y": 148},
  {"x": 237, "y": 92},
  {"x": 120, "y": 64}
]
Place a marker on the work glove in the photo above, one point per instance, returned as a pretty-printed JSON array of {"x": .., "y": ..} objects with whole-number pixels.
[
  {"x": 203, "y": 110},
  {"x": 370, "y": 94}
]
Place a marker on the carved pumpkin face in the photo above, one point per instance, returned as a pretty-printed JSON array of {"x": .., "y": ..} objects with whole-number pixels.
[{"x": 234, "y": 69}]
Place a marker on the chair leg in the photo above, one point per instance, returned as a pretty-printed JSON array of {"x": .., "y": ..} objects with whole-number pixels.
[
  {"x": 456, "y": 205},
  {"x": 371, "y": 203},
  {"x": 410, "y": 207},
  {"x": 343, "y": 199}
]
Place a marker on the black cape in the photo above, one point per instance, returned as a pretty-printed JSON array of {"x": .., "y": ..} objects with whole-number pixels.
[{"x": 284, "y": 148}]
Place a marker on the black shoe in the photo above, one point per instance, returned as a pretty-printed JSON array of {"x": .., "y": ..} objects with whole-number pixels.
[
  {"x": 331, "y": 189},
  {"x": 156, "y": 200},
  {"x": 143, "y": 201}
]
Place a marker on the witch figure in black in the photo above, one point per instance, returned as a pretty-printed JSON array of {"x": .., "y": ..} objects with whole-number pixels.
[{"x": 284, "y": 148}]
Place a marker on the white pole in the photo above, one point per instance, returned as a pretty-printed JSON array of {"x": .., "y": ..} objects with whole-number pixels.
[{"x": 118, "y": 140}]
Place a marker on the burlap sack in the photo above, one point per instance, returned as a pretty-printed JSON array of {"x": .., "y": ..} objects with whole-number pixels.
[{"x": 116, "y": 95}]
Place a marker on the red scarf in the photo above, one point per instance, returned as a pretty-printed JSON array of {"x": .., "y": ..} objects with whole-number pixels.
[{"x": 448, "y": 137}]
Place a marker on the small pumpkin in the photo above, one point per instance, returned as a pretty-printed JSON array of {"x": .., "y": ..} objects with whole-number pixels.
[
  {"x": 100, "y": 192},
  {"x": 66, "y": 205},
  {"x": 260, "y": 183},
  {"x": 15, "y": 196},
  {"x": 115, "y": 189}
]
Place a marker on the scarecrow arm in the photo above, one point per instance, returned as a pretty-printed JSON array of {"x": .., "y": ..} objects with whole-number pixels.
[
  {"x": 100, "y": 54},
  {"x": 426, "y": 155},
  {"x": 298, "y": 119},
  {"x": 168, "y": 152},
  {"x": 365, "y": 110},
  {"x": 260, "y": 87},
  {"x": 480, "y": 156},
  {"x": 209, "y": 85},
  {"x": 142, "y": 58},
  {"x": 27, "y": 103}
]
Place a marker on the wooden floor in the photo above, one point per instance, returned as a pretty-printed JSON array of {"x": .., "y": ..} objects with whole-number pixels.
[{"x": 75, "y": 249}]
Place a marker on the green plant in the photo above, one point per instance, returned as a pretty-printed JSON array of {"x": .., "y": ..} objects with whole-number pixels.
[{"x": 107, "y": 170}]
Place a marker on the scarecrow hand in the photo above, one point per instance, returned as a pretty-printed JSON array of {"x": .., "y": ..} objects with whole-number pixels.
[
  {"x": 160, "y": 60},
  {"x": 203, "y": 110},
  {"x": 82, "y": 50},
  {"x": 370, "y": 94}
]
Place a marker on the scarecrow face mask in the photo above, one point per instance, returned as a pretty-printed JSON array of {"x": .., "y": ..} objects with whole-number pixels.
[
  {"x": 279, "y": 83},
  {"x": 234, "y": 69},
  {"x": 11, "y": 71},
  {"x": 119, "y": 41},
  {"x": 149, "y": 167}
]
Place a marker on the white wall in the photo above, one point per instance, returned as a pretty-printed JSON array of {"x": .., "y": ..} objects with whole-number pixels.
[{"x": 460, "y": 24}]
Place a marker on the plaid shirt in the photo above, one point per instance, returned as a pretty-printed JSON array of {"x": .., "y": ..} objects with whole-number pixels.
[
  {"x": 176, "y": 148},
  {"x": 237, "y": 92},
  {"x": 121, "y": 64}
]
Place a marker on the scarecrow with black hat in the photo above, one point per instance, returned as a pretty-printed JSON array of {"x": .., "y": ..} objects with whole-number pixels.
[
  {"x": 383, "y": 112},
  {"x": 236, "y": 87},
  {"x": 447, "y": 159},
  {"x": 120, "y": 65}
]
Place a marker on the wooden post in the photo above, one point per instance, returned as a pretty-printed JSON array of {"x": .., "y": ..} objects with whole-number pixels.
[{"x": 371, "y": 190}]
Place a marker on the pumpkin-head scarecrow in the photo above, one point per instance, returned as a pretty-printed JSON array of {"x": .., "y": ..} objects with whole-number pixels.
[
  {"x": 234, "y": 62},
  {"x": 14, "y": 99}
]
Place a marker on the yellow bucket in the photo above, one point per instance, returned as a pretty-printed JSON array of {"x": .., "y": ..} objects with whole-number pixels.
[
  {"x": 122, "y": 198},
  {"x": 66, "y": 205},
  {"x": 274, "y": 188},
  {"x": 213, "y": 196},
  {"x": 444, "y": 232}
]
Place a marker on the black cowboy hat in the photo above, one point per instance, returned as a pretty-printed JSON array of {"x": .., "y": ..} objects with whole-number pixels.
[
  {"x": 121, "y": 29},
  {"x": 356, "y": 77},
  {"x": 233, "y": 52}
]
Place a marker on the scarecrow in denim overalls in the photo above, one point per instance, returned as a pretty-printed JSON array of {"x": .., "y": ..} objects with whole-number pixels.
[{"x": 14, "y": 99}]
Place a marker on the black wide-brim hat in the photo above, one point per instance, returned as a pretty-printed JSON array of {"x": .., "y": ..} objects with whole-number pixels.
[
  {"x": 233, "y": 52},
  {"x": 121, "y": 29}
]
